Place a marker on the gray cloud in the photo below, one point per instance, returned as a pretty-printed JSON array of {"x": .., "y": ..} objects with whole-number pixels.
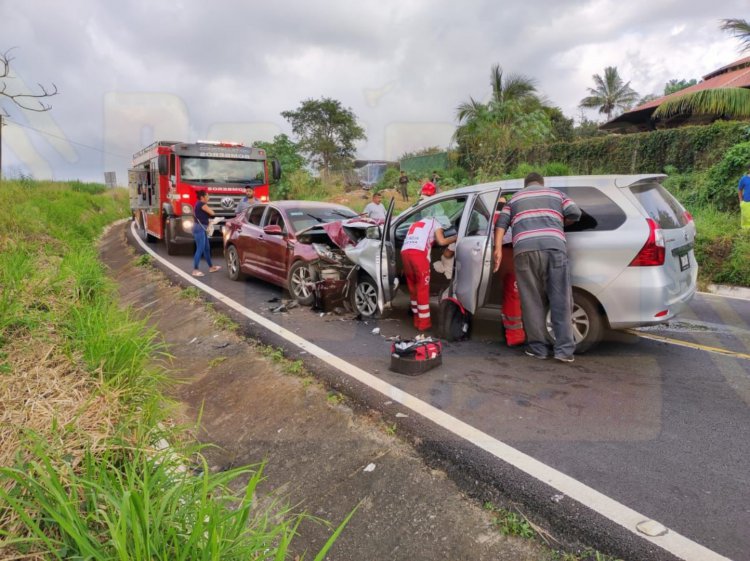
[{"x": 402, "y": 67}]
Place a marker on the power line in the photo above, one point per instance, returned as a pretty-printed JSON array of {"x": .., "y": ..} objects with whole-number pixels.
[{"x": 7, "y": 120}]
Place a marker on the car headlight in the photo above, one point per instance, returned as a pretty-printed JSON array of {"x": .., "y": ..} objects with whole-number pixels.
[
  {"x": 373, "y": 233},
  {"x": 324, "y": 252},
  {"x": 187, "y": 225},
  {"x": 187, "y": 209}
]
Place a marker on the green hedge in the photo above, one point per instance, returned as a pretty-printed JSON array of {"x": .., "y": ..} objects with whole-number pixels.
[{"x": 686, "y": 149}]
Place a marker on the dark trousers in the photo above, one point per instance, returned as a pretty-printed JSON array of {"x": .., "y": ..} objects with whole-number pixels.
[{"x": 544, "y": 284}]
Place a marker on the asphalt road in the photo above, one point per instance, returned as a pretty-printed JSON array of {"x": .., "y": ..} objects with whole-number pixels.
[{"x": 662, "y": 428}]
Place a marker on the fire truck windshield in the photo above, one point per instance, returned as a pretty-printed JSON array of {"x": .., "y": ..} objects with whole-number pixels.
[{"x": 211, "y": 170}]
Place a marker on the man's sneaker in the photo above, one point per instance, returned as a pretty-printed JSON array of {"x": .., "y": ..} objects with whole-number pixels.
[
  {"x": 529, "y": 352},
  {"x": 565, "y": 358}
]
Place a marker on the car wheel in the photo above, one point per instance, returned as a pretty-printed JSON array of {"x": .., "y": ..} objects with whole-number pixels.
[
  {"x": 364, "y": 297},
  {"x": 233, "y": 264},
  {"x": 588, "y": 322},
  {"x": 301, "y": 283}
]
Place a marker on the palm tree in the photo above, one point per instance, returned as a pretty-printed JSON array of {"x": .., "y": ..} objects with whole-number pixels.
[
  {"x": 488, "y": 133},
  {"x": 731, "y": 103},
  {"x": 610, "y": 93}
]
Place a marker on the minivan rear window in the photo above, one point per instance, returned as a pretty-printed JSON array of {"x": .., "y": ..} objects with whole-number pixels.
[
  {"x": 598, "y": 211},
  {"x": 660, "y": 205}
]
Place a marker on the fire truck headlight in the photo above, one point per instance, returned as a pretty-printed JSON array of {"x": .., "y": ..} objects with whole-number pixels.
[
  {"x": 187, "y": 225},
  {"x": 187, "y": 209}
]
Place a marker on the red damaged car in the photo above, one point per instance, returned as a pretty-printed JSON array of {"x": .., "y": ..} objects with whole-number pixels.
[{"x": 262, "y": 242}]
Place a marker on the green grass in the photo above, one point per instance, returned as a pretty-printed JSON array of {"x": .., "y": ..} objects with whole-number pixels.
[{"x": 118, "y": 494}]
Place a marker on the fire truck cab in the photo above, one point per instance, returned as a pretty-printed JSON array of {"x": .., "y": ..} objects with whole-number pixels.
[{"x": 166, "y": 175}]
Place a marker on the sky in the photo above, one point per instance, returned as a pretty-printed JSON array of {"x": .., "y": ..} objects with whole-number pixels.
[{"x": 135, "y": 71}]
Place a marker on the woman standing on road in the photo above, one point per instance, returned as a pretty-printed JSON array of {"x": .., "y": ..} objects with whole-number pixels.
[{"x": 203, "y": 214}]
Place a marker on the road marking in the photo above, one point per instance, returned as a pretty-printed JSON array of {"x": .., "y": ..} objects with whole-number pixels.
[
  {"x": 676, "y": 544},
  {"x": 688, "y": 344}
]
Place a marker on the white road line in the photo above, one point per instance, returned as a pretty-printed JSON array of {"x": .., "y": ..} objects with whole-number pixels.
[{"x": 674, "y": 543}]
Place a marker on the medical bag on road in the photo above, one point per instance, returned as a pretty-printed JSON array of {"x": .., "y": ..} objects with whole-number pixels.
[{"x": 416, "y": 356}]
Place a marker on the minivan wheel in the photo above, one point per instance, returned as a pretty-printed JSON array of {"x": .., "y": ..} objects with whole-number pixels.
[
  {"x": 364, "y": 297},
  {"x": 588, "y": 322},
  {"x": 300, "y": 283}
]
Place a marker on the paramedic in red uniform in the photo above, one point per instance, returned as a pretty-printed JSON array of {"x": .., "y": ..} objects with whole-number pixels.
[{"x": 415, "y": 255}]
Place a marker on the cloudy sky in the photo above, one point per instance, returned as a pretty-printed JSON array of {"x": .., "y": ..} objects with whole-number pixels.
[{"x": 135, "y": 71}]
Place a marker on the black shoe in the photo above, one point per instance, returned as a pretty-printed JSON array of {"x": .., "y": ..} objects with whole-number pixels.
[
  {"x": 567, "y": 359},
  {"x": 529, "y": 352}
]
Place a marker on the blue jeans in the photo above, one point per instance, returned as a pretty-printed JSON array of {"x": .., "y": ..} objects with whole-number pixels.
[
  {"x": 202, "y": 246},
  {"x": 544, "y": 282}
]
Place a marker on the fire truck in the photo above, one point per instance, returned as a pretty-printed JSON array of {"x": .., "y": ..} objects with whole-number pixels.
[{"x": 166, "y": 175}]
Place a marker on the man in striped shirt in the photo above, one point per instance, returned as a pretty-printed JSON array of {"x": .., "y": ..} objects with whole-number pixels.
[{"x": 537, "y": 216}]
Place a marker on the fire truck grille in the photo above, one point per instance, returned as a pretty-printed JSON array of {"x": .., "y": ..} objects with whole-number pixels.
[{"x": 224, "y": 205}]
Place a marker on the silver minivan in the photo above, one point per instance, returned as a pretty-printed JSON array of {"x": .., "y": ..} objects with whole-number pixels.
[{"x": 631, "y": 253}]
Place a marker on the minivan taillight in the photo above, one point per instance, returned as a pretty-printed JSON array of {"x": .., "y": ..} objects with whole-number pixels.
[
  {"x": 688, "y": 217},
  {"x": 652, "y": 252}
]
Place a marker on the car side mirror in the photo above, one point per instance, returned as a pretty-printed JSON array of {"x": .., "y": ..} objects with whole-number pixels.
[{"x": 273, "y": 230}]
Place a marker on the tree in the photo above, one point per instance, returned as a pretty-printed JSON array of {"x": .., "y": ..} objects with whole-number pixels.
[
  {"x": 287, "y": 152},
  {"x": 19, "y": 99},
  {"x": 676, "y": 85},
  {"x": 611, "y": 94},
  {"x": 489, "y": 134},
  {"x": 22, "y": 100},
  {"x": 327, "y": 131},
  {"x": 729, "y": 103}
]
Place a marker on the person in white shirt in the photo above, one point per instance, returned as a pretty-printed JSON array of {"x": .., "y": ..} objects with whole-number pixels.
[
  {"x": 415, "y": 256},
  {"x": 375, "y": 209}
]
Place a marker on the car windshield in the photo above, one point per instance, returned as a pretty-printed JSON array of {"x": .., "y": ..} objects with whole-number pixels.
[
  {"x": 660, "y": 205},
  {"x": 304, "y": 217},
  {"x": 214, "y": 170}
]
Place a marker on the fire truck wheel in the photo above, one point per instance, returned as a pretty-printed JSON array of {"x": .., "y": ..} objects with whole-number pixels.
[
  {"x": 172, "y": 247},
  {"x": 233, "y": 264},
  {"x": 300, "y": 283},
  {"x": 145, "y": 236},
  {"x": 365, "y": 297}
]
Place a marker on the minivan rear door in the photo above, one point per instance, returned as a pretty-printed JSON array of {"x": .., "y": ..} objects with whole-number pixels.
[
  {"x": 473, "y": 269},
  {"x": 678, "y": 230}
]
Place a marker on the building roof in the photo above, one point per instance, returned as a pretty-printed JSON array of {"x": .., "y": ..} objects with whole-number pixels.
[{"x": 734, "y": 75}]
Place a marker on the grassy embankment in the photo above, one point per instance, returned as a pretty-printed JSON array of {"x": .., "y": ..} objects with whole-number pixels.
[{"x": 85, "y": 468}]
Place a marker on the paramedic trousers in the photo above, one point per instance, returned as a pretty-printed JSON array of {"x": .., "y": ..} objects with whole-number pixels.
[
  {"x": 511, "y": 312},
  {"x": 417, "y": 270},
  {"x": 544, "y": 282}
]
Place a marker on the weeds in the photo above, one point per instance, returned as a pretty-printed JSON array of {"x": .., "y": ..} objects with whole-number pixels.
[
  {"x": 144, "y": 260},
  {"x": 509, "y": 523},
  {"x": 190, "y": 293},
  {"x": 334, "y": 398},
  {"x": 214, "y": 362}
]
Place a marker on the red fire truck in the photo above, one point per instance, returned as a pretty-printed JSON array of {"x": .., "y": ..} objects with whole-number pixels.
[{"x": 165, "y": 176}]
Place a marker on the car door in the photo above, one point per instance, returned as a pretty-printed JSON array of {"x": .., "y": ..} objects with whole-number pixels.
[
  {"x": 248, "y": 241},
  {"x": 387, "y": 280},
  {"x": 473, "y": 261},
  {"x": 273, "y": 249}
]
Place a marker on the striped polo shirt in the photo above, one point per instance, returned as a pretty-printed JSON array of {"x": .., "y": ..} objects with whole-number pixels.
[{"x": 536, "y": 215}]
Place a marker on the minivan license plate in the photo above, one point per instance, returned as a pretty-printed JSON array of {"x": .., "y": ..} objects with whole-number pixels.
[{"x": 684, "y": 262}]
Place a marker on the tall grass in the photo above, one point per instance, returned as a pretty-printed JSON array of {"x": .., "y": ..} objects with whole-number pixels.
[{"x": 89, "y": 478}]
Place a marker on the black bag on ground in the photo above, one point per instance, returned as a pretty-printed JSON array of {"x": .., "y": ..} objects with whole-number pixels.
[{"x": 455, "y": 321}]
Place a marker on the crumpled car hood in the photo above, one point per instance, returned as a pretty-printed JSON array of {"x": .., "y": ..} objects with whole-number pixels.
[{"x": 341, "y": 233}]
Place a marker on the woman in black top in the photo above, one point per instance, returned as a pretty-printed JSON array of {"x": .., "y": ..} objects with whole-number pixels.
[{"x": 203, "y": 214}]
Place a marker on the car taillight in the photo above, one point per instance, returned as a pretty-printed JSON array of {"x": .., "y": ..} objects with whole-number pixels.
[
  {"x": 688, "y": 217},
  {"x": 652, "y": 252}
]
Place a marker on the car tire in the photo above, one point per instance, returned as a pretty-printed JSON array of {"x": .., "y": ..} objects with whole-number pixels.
[
  {"x": 589, "y": 323},
  {"x": 233, "y": 264},
  {"x": 364, "y": 297},
  {"x": 299, "y": 282}
]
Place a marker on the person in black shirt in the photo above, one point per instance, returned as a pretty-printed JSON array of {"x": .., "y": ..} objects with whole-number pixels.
[{"x": 203, "y": 213}]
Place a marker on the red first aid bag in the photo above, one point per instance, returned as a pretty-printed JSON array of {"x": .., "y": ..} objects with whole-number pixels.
[{"x": 413, "y": 357}]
